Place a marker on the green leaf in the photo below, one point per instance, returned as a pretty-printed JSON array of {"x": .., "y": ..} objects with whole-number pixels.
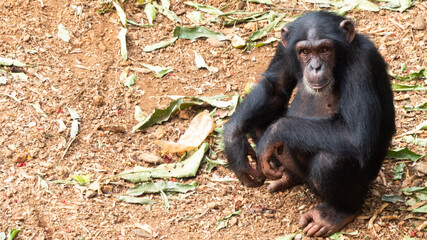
[
  {"x": 123, "y": 48},
  {"x": 183, "y": 169},
  {"x": 398, "y": 171},
  {"x": 263, "y": 32},
  {"x": 11, "y": 62},
  {"x": 13, "y": 234},
  {"x": 404, "y": 153},
  {"x": 197, "y": 32},
  {"x": 368, "y": 6},
  {"x": 166, "y": 4},
  {"x": 214, "y": 101},
  {"x": 159, "y": 71},
  {"x": 223, "y": 222},
  {"x": 151, "y": 12},
  {"x": 422, "y": 209},
  {"x": 414, "y": 189},
  {"x": 398, "y": 5},
  {"x": 392, "y": 198},
  {"x": 130, "y": 80},
  {"x": 167, "y": 13},
  {"x": 200, "y": 63},
  {"x": 156, "y": 187},
  {"x": 138, "y": 200},
  {"x": 420, "y": 107},
  {"x": 207, "y": 9},
  {"x": 420, "y": 73},
  {"x": 196, "y": 17},
  {"x": 211, "y": 164},
  {"x": 159, "y": 45},
  {"x": 401, "y": 87},
  {"x": 160, "y": 115},
  {"x": 73, "y": 113},
  {"x": 165, "y": 201},
  {"x": 63, "y": 33},
  {"x": 82, "y": 179},
  {"x": 74, "y": 128}
]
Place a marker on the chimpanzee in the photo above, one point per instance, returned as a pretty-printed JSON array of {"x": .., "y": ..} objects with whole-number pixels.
[{"x": 334, "y": 134}]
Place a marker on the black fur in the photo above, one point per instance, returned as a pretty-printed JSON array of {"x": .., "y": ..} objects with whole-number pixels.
[{"x": 345, "y": 150}]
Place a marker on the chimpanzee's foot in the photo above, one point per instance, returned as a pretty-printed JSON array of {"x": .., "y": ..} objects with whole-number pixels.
[
  {"x": 286, "y": 181},
  {"x": 324, "y": 220}
]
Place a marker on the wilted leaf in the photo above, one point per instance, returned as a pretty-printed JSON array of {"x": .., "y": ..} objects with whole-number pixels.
[
  {"x": 63, "y": 33},
  {"x": 151, "y": 12},
  {"x": 166, "y": 4},
  {"x": 160, "y": 115},
  {"x": 139, "y": 115},
  {"x": 392, "y": 198},
  {"x": 159, "y": 71},
  {"x": 207, "y": 9},
  {"x": 197, "y": 32},
  {"x": 420, "y": 73},
  {"x": 368, "y": 6},
  {"x": 156, "y": 187},
  {"x": 222, "y": 223},
  {"x": 200, "y": 127},
  {"x": 196, "y": 17},
  {"x": 20, "y": 76},
  {"x": 159, "y": 45},
  {"x": 165, "y": 201},
  {"x": 263, "y": 32},
  {"x": 38, "y": 109},
  {"x": 200, "y": 63},
  {"x": 120, "y": 12},
  {"x": 404, "y": 153},
  {"x": 268, "y": 41},
  {"x": 401, "y": 87},
  {"x": 398, "y": 5},
  {"x": 73, "y": 113},
  {"x": 138, "y": 200},
  {"x": 130, "y": 80},
  {"x": 422, "y": 209},
  {"x": 42, "y": 183},
  {"x": 167, "y": 13},
  {"x": 288, "y": 237},
  {"x": 398, "y": 171},
  {"x": 414, "y": 190},
  {"x": 123, "y": 48},
  {"x": 420, "y": 107},
  {"x": 11, "y": 62},
  {"x": 183, "y": 169}
]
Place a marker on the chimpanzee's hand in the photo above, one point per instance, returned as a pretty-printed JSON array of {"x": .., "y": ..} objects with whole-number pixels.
[
  {"x": 249, "y": 176},
  {"x": 265, "y": 150}
]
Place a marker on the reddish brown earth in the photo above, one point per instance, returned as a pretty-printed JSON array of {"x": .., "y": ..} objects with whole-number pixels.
[{"x": 96, "y": 92}]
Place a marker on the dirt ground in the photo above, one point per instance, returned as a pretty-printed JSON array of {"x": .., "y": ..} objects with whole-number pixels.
[{"x": 85, "y": 75}]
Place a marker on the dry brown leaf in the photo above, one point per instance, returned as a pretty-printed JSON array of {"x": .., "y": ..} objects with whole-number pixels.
[{"x": 200, "y": 127}]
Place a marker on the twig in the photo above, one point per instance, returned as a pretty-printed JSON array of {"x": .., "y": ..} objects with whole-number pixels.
[
  {"x": 396, "y": 23},
  {"x": 66, "y": 150},
  {"x": 371, "y": 221}
]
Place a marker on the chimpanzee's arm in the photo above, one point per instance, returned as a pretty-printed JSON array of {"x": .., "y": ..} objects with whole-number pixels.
[{"x": 264, "y": 104}]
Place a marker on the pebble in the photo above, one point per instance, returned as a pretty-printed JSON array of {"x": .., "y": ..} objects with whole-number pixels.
[
  {"x": 20, "y": 158},
  {"x": 420, "y": 23},
  {"x": 213, "y": 205},
  {"x": 269, "y": 215},
  {"x": 90, "y": 194},
  {"x": 102, "y": 47},
  {"x": 215, "y": 43},
  {"x": 31, "y": 71},
  {"x": 98, "y": 100},
  {"x": 233, "y": 222},
  {"x": 252, "y": 26},
  {"x": 26, "y": 38},
  {"x": 421, "y": 167},
  {"x": 298, "y": 236}
]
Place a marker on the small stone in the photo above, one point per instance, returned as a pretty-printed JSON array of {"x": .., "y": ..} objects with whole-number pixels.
[
  {"x": 215, "y": 43},
  {"x": 125, "y": 63},
  {"x": 107, "y": 189},
  {"x": 420, "y": 23},
  {"x": 102, "y": 47},
  {"x": 20, "y": 158},
  {"x": 31, "y": 71},
  {"x": 160, "y": 133},
  {"x": 233, "y": 222},
  {"x": 421, "y": 167},
  {"x": 90, "y": 194},
  {"x": 419, "y": 234},
  {"x": 8, "y": 153},
  {"x": 240, "y": 5},
  {"x": 298, "y": 236},
  {"x": 252, "y": 26},
  {"x": 26, "y": 38},
  {"x": 214, "y": 157},
  {"x": 269, "y": 215},
  {"x": 213, "y": 205},
  {"x": 98, "y": 100},
  {"x": 183, "y": 115}
]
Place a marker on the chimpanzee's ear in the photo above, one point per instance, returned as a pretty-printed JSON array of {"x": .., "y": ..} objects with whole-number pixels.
[
  {"x": 348, "y": 27},
  {"x": 285, "y": 33}
]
